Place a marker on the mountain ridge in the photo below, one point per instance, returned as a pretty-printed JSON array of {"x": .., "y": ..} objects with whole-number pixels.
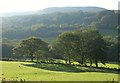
[
  {"x": 54, "y": 10},
  {"x": 71, "y": 9}
]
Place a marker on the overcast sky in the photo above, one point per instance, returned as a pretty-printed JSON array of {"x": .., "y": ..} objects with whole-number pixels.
[{"x": 33, "y": 5}]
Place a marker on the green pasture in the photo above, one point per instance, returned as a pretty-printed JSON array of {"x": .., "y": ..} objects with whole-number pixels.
[{"x": 55, "y": 72}]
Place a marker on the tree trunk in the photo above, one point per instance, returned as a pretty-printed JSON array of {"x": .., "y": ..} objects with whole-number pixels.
[
  {"x": 90, "y": 62},
  {"x": 66, "y": 61},
  {"x": 69, "y": 61},
  {"x": 82, "y": 60},
  {"x": 96, "y": 63},
  {"x": 32, "y": 58}
]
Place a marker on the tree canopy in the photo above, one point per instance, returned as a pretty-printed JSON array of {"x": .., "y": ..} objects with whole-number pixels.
[{"x": 30, "y": 46}]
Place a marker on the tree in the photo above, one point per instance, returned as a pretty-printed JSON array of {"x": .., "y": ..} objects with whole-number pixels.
[
  {"x": 96, "y": 47},
  {"x": 41, "y": 54},
  {"x": 64, "y": 44},
  {"x": 99, "y": 50},
  {"x": 80, "y": 46},
  {"x": 90, "y": 46},
  {"x": 112, "y": 45},
  {"x": 30, "y": 46}
]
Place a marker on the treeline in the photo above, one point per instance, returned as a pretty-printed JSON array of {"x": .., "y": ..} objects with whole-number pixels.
[{"x": 83, "y": 46}]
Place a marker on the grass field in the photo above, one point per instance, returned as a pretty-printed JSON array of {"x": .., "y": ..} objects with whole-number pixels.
[{"x": 55, "y": 72}]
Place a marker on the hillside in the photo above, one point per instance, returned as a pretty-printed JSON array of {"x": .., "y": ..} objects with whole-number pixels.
[{"x": 54, "y": 21}]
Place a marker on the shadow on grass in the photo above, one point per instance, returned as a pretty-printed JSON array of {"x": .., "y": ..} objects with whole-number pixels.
[
  {"x": 70, "y": 68},
  {"x": 55, "y": 67}
]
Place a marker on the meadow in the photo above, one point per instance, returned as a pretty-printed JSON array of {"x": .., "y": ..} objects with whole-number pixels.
[{"x": 30, "y": 71}]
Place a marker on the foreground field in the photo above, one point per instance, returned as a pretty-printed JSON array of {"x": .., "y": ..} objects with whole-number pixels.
[{"x": 54, "y": 72}]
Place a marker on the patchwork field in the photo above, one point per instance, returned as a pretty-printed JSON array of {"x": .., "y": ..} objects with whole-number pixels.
[{"x": 29, "y": 71}]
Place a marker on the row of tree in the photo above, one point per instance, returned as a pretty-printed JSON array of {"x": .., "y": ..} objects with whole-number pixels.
[{"x": 83, "y": 46}]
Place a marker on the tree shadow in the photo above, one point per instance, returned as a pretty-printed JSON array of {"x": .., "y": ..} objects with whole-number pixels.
[
  {"x": 70, "y": 68},
  {"x": 55, "y": 67}
]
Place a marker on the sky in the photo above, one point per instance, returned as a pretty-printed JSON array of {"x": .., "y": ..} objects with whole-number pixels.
[{"x": 35, "y": 5}]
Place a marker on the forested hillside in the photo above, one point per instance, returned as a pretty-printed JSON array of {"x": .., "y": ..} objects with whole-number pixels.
[{"x": 51, "y": 24}]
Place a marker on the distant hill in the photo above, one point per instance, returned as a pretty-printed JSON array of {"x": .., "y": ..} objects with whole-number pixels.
[
  {"x": 70, "y": 9},
  {"x": 54, "y": 10}
]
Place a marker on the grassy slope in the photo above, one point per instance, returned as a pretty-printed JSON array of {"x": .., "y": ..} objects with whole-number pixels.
[{"x": 12, "y": 71}]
